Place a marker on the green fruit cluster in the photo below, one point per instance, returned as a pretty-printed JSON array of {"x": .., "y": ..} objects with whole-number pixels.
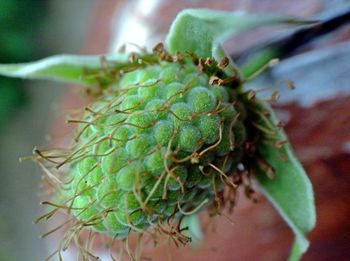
[{"x": 156, "y": 146}]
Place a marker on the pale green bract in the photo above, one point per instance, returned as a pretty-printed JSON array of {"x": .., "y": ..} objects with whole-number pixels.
[
  {"x": 201, "y": 31},
  {"x": 66, "y": 68},
  {"x": 290, "y": 191}
]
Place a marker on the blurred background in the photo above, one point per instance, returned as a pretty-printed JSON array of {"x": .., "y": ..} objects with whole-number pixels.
[{"x": 316, "y": 114}]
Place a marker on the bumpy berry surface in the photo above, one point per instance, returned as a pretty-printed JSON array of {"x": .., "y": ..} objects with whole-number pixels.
[{"x": 157, "y": 145}]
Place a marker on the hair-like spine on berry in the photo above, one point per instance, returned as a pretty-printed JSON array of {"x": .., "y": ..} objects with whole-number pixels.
[{"x": 161, "y": 140}]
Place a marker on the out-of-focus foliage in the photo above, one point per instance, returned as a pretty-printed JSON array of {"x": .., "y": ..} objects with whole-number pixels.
[{"x": 20, "y": 24}]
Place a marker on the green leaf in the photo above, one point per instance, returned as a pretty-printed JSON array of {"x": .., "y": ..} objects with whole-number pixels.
[
  {"x": 201, "y": 31},
  {"x": 258, "y": 61},
  {"x": 67, "y": 68},
  {"x": 290, "y": 191}
]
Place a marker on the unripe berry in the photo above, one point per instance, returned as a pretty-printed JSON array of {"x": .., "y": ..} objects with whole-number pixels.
[{"x": 159, "y": 145}]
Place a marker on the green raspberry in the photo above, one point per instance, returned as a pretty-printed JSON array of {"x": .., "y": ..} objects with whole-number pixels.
[
  {"x": 160, "y": 141},
  {"x": 82, "y": 209},
  {"x": 157, "y": 109},
  {"x": 220, "y": 93},
  {"x": 201, "y": 197},
  {"x": 209, "y": 127},
  {"x": 149, "y": 90},
  {"x": 154, "y": 188},
  {"x": 169, "y": 211},
  {"x": 121, "y": 135},
  {"x": 156, "y": 161},
  {"x": 189, "y": 137},
  {"x": 195, "y": 79},
  {"x": 227, "y": 112},
  {"x": 194, "y": 176},
  {"x": 127, "y": 176},
  {"x": 114, "y": 226},
  {"x": 139, "y": 146},
  {"x": 202, "y": 100},
  {"x": 205, "y": 182},
  {"x": 180, "y": 113},
  {"x": 174, "y": 92},
  {"x": 169, "y": 74},
  {"x": 149, "y": 74},
  {"x": 113, "y": 121},
  {"x": 163, "y": 132},
  {"x": 130, "y": 79},
  {"x": 108, "y": 194},
  {"x": 131, "y": 103},
  {"x": 177, "y": 179},
  {"x": 128, "y": 202}
]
